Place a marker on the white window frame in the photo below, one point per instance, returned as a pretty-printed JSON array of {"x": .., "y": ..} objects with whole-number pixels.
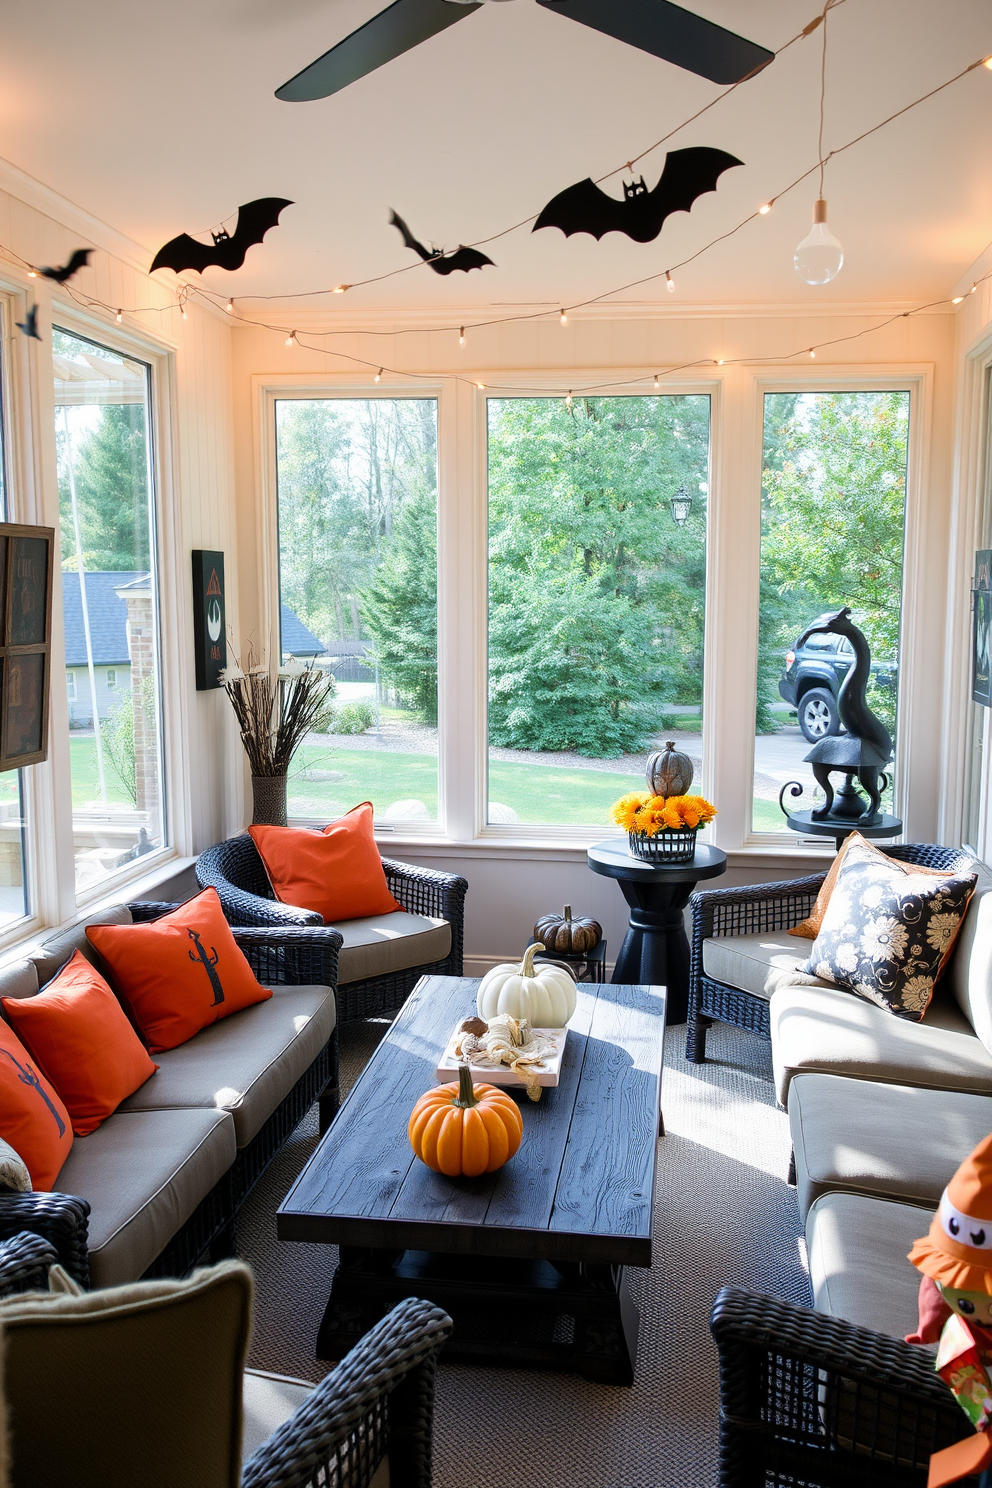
[
  {"x": 732, "y": 587},
  {"x": 112, "y": 678},
  {"x": 33, "y": 497},
  {"x": 70, "y": 687}
]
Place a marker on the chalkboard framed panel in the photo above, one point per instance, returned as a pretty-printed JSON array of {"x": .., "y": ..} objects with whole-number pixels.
[
  {"x": 27, "y": 562},
  {"x": 209, "y": 618}
]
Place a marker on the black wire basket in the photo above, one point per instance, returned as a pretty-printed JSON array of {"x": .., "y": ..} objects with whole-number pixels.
[{"x": 670, "y": 845}]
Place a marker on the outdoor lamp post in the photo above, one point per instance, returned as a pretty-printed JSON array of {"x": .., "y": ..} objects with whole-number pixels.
[{"x": 681, "y": 504}]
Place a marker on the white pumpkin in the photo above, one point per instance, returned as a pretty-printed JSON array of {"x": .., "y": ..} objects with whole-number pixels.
[{"x": 545, "y": 997}]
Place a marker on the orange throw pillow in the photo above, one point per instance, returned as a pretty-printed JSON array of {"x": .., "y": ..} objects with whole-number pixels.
[
  {"x": 338, "y": 872},
  {"x": 77, "y": 1031},
  {"x": 810, "y": 928},
  {"x": 32, "y": 1118},
  {"x": 179, "y": 973}
]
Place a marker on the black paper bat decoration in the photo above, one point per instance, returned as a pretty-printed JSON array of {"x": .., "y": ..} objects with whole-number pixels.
[
  {"x": 227, "y": 250},
  {"x": 29, "y": 325},
  {"x": 78, "y": 261},
  {"x": 642, "y": 213},
  {"x": 462, "y": 259}
]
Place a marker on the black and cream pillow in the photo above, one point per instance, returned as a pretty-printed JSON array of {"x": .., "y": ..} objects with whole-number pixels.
[{"x": 887, "y": 934}]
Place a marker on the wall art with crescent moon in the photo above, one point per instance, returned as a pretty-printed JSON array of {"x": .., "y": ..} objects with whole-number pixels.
[{"x": 209, "y": 618}]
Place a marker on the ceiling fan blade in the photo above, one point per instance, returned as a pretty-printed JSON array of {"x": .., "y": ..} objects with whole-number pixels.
[
  {"x": 668, "y": 31},
  {"x": 387, "y": 35}
]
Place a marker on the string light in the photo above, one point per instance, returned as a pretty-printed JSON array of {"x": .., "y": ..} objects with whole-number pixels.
[
  {"x": 229, "y": 307},
  {"x": 657, "y": 381},
  {"x": 973, "y": 288},
  {"x": 563, "y": 318},
  {"x": 291, "y": 339},
  {"x": 378, "y": 375},
  {"x": 820, "y": 257},
  {"x": 812, "y": 355},
  {"x": 988, "y": 63},
  {"x": 481, "y": 386},
  {"x": 720, "y": 361},
  {"x": 182, "y": 296},
  {"x": 461, "y": 336},
  {"x": 669, "y": 281},
  {"x": 957, "y": 299},
  {"x": 32, "y": 273},
  {"x": 340, "y": 288},
  {"x": 119, "y": 316},
  {"x": 568, "y": 400},
  {"x": 766, "y": 207}
]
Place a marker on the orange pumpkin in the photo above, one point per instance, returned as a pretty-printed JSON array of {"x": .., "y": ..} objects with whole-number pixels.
[{"x": 464, "y": 1130}]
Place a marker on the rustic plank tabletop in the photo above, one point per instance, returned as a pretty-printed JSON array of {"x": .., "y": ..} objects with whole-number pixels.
[{"x": 580, "y": 1189}]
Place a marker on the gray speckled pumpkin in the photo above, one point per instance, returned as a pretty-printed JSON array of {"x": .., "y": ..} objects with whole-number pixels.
[{"x": 669, "y": 773}]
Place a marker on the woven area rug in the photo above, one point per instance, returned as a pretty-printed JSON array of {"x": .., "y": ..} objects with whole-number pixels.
[{"x": 725, "y": 1214}]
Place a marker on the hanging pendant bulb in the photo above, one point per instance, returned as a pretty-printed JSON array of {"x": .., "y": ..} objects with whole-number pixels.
[{"x": 819, "y": 257}]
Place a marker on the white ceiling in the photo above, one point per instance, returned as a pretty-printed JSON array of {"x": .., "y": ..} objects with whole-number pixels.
[{"x": 161, "y": 118}]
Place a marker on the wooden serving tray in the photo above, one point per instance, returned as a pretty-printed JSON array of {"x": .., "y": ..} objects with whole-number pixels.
[{"x": 548, "y": 1072}]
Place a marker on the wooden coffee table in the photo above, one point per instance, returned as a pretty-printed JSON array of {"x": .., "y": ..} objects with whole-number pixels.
[{"x": 528, "y": 1261}]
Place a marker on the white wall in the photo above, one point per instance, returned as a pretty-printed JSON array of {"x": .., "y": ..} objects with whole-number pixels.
[{"x": 510, "y": 885}]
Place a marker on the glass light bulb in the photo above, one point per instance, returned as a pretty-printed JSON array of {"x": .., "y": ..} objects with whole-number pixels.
[{"x": 819, "y": 257}]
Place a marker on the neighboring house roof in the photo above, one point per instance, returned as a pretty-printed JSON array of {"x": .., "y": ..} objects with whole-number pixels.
[
  {"x": 108, "y": 620},
  {"x": 296, "y": 639},
  {"x": 108, "y": 617}
]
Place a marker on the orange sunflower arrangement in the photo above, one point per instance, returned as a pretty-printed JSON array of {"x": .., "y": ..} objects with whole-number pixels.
[{"x": 662, "y": 828}]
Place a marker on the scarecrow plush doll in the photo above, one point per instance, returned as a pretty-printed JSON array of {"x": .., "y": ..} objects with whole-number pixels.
[{"x": 955, "y": 1310}]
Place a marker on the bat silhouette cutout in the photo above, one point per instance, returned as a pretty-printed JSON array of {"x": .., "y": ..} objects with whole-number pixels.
[
  {"x": 463, "y": 259},
  {"x": 78, "y": 261},
  {"x": 29, "y": 325},
  {"x": 227, "y": 250},
  {"x": 642, "y": 213}
]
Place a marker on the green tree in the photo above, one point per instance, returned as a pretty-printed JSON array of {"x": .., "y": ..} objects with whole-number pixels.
[
  {"x": 595, "y": 595},
  {"x": 111, "y": 481},
  {"x": 399, "y": 607},
  {"x": 833, "y": 519}
]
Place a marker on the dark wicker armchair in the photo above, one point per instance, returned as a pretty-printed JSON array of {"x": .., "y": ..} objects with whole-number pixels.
[
  {"x": 60, "y": 1221},
  {"x": 377, "y": 1404},
  {"x": 810, "y": 1401},
  {"x": 235, "y": 870},
  {"x": 766, "y": 907}
]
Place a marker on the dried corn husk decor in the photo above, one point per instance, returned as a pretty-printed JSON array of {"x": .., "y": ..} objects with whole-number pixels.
[{"x": 509, "y": 1041}]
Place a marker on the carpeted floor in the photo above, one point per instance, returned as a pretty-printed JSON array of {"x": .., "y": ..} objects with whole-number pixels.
[{"x": 725, "y": 1214}]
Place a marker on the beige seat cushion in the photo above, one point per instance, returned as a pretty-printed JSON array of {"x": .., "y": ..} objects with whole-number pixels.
[
  {"x": 144, "y": 1173},
  {"x": 857, "y": 1260},
  {"x": 269, "y": 1400},
  {"x": 834, "y": 1032},
  {"x": 391, "y": 942},
  {"x": 245, "y": 1064},
  {"x": 139, "y": 1385},
  {"x": 56, "y": 950},
  {"x": 895, "y": 1142},
  {"x": 969, "y": 972},
  {"x": 760, "y": 963}
]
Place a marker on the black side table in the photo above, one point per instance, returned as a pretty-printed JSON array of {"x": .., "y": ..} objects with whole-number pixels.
[{"x": 656, "y": 948}]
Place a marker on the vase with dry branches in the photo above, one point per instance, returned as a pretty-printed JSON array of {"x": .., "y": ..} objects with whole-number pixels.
[{"x": 275, "y": 712}]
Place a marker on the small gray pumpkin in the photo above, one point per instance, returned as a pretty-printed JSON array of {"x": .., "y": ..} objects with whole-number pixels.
[{"x": 669, "y": 773}]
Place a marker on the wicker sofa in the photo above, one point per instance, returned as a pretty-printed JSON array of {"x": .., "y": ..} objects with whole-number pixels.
[
  {"x": 377, "y": 961},
  {"x": 162, "y": 1178},
  {"x": 881, "y": 1113}
]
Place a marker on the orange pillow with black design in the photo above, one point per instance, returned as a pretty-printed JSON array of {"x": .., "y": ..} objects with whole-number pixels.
[
  {"x": 79, "y": 1035},
  {"x": 179, "y": 973},
  {"x": 810, "y": 927},
  {"x": 338, "y": 872},
  {"x": 32, "y": 1117}
]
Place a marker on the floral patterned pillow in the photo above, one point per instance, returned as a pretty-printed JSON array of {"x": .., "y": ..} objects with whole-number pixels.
[{"x": 887, "y": 934}]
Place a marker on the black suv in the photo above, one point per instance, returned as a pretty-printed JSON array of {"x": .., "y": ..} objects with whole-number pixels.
[{"x": 812, "y": 679}]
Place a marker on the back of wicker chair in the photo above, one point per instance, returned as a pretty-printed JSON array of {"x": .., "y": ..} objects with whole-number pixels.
[
  {"x": 761, "y": 908},
  {"x": 235, "y": 869}
]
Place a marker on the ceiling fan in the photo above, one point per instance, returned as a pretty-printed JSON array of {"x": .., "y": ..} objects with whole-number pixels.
[{"x": 656, "y": 26}]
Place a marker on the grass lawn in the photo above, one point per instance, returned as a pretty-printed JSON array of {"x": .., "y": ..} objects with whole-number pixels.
[
  {"x": 86, "y": 780},
  {"x": 537, "y": 793}
]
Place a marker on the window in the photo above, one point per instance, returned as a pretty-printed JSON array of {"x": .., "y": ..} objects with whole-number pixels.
[
  {"x": 70, "y": 686},
  {"x": 14, "y": 901},
  {"x": 833, "y": 522},
  {"x": 110, "y": 603},
  {"x": 111, "y": 678},
  {"x": 978, "y": 714},
  {"x": 597, "y": 578},
  {"x": 357, "y": 509}
]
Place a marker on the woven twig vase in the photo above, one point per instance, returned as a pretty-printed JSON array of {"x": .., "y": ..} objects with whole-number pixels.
[{"x": 268, "y": 800}]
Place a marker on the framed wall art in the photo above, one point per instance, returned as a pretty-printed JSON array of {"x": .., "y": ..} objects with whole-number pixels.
[
  {"x": 27, "y": 558},
  {"x": 209, "y": 618},
  {"x": 981, "y": 613}
]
